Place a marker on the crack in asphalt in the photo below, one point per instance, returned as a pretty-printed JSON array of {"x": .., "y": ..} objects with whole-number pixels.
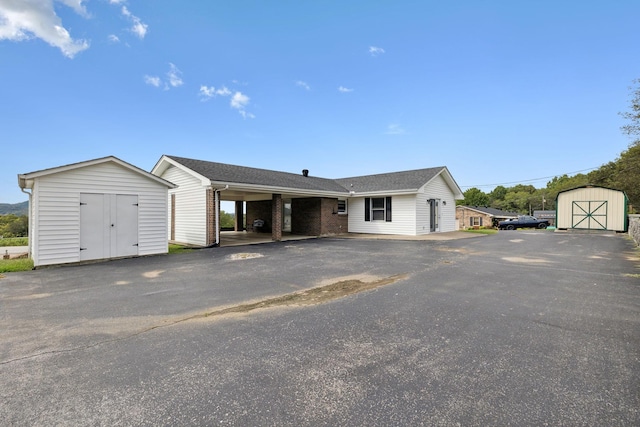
[{"x": 313, "y": 296}]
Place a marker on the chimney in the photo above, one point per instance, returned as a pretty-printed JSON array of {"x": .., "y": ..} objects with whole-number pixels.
[{"x": 305, "y": 172}]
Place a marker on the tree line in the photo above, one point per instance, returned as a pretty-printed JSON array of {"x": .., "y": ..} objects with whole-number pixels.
[
  {"x": 14, "y": 226},
  {"x": 622, "y": 173}
]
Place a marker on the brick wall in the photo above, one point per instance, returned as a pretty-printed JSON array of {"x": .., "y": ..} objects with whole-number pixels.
[
  {"x": 211, "y": 217},
  {"x": 332, "y": 222},
  {"x": 464, "y": 215},
  {"x": 314, "y": 216},
  {"x": 259, "y": 210},
  {"x": 276, "y": 217},
  {"x": 310, "y": 216}
]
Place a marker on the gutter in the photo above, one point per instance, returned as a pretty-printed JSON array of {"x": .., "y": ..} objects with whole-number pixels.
[
  {"x": 29, "y": 225},
  {"x": 216, "y": 204}
]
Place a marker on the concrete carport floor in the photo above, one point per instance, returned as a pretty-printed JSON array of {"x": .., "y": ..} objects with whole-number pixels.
[{"x": 239, "y": 238}]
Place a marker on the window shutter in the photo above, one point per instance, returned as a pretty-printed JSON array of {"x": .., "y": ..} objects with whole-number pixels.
[
  {"x": 480, "y": 221},
  {"x": 471, "y": 221},
  {"x": 367, "y": 209},
  {"x": 388, "y": 209}
]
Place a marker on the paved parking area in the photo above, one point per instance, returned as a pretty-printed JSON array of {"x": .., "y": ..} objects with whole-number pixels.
[{"x": 519, "y": 328}]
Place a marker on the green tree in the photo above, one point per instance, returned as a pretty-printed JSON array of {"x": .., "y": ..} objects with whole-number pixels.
[
  {"x": 633, "y": 116},
  {"x": 227, "y": 220},
  {"x": 14, "y": 225},
  {"x": 561, "y": 183},
  {"x": 475, "y": 197}
]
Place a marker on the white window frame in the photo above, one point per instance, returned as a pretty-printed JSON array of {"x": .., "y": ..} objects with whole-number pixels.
[
  {"x": 380, "y": 210},
  {"x": 342, "y": 210}
]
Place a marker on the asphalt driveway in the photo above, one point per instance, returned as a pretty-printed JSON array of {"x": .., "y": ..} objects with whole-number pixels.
[{"x": 519, "y": 328}]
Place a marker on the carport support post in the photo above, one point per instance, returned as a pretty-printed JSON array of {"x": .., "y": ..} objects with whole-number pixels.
[
  {"x": 276, "y": 217},
  {"x": 213, "y": 213},
  {"x": 238, "y": 225}
]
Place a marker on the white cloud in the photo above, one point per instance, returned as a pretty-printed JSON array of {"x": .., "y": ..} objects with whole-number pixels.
[
  {"x": 394, "y": 129},
  {"x": 239, "y": 101},
  {"x": 113, "y": 38},
  {"x": 375, "y": 51},
  {"x": 174, "y": 76},
  {"x": 344, "y": 89},
  {"x": 303, "y": 85},
  {"x": 208, "y": 92},
  {"x": 138, "y": 27},
  {"x": 26, "y": 19},
  {"x": 152, "y": 80}
]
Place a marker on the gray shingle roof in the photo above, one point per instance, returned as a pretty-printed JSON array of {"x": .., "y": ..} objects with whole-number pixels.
[
  {"x": 493, "y": 211},
  {"x": 385, "y": 182},
  {"x": 222, "y": 172},
  {"x": 393, "y": 181}
]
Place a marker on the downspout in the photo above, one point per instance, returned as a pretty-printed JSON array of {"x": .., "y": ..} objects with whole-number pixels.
[
  {"x": 29, "y": 226},
  {"x": 216, "y": 200}
]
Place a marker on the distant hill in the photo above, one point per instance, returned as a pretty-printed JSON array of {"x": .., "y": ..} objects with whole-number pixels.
[{"x": 15, "y": 209}]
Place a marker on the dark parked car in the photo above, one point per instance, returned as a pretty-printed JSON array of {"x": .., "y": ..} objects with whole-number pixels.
[{"x": 523, "y": 221}]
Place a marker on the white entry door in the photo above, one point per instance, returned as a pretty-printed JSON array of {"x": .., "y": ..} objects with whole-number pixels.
[{"x": 108, "y": 225}]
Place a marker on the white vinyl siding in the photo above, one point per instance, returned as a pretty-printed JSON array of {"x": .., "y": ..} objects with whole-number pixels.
[
  {"x": 56, "y": 210},
  {"x": 403, "y": 215},
  {"x": 190, "y": 215},
  {"x": 437, "y": 188},
  {"x": 616, "y": 208}
]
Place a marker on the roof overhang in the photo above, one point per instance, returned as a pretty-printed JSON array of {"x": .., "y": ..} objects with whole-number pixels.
[
  {"x": 166, "y": 162},
  {"x": 448, "y": 179},
  {"x": 255, "y": 188},
  {"x": 384, "y": 193},
  {"x": 27, "y": 180}
]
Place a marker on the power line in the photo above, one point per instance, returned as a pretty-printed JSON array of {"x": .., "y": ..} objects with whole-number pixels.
[{"x": 528, "y": 180}]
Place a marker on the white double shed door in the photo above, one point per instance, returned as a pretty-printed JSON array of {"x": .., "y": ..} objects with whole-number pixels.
[{"x": 108, "y": 225}]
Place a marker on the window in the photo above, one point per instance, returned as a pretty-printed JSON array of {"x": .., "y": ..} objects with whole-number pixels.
[
  {"x": 342, "y": 206},
  {"x": 475, "y": 221},
  {"x": 377, "y": 209}
]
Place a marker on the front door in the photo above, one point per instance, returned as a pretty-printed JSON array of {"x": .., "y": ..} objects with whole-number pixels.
[
  {"x": 286, "y": 215},
  {"x": 434, "y": 215}
]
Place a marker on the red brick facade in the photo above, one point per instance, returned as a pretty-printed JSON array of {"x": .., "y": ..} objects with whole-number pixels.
[
  {"x": 310, "y": 216},
  {"x": 315, "y": 216},
  {"x": 276, "y": 216},
  {"x": 212, "y": 226}
]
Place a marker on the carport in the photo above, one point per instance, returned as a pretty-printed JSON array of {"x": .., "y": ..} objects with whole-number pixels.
[{"x": 286, "y": 204}]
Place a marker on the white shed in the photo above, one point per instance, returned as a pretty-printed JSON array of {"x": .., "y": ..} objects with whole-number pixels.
[
  {"x": 97, "y": 209},
  {"x": 591, "y": 208}
]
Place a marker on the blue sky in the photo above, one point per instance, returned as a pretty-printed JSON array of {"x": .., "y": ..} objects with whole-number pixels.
[{"x": 500, "y": 92}]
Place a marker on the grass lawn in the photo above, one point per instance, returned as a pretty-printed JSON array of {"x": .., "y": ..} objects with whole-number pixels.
[
  {"x": 14, "y": 241},
  {"x": 23, "y": 264},
  {"x": 12, "y": 265},
  {"x": 178, "y": 249}
]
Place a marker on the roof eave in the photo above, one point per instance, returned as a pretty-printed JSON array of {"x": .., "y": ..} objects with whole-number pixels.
[
  {"x": 383, "y": 193},
  {"x": 257, "y": 188},
  {"x": 165, "y": 161},
  {"x": 27, "y": 179}
]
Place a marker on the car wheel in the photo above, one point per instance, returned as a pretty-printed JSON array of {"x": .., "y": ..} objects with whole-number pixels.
[
  {"x": 510, "y": 227},
  {"x": 542, "y": 226}
]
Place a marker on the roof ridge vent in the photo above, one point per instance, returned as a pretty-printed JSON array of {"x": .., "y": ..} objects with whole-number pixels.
[{"x": 305, "y": 172}]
